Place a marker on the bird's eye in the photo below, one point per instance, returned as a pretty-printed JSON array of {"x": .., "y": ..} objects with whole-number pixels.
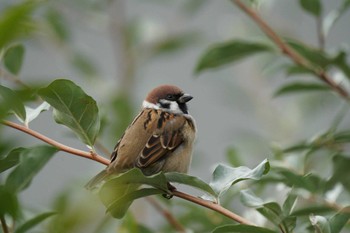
[{"x": 170, "y": 97}]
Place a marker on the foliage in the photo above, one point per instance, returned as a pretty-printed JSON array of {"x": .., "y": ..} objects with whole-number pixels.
[{"x": 314, "y": 198}]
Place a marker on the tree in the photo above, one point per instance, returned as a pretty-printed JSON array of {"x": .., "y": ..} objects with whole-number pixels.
[{"x": 316, "y": 196}]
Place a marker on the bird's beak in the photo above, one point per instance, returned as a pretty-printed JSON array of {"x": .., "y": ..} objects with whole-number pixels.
[{"x": 185, "y": 98}]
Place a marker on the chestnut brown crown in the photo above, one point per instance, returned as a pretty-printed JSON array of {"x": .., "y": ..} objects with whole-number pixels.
[{"x": 170, "y": 98}]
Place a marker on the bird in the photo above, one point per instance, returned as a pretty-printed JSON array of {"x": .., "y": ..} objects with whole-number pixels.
[{"x": 159, "y": 139}]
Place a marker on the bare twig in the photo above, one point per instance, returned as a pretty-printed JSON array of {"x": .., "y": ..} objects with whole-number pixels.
[
  {"x": 166, "y": 214},
  {"x": 3, "y": 224},
  {"x": 56, "y": 144},
  {"x": 288, "y": 51}
]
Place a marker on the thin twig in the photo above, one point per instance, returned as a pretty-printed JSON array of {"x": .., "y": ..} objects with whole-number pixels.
[
  {"x": 3, "y": 224},
  {"x": 288, "y": 51},
  {"x": 320, "y": 33},
  {"x": 56, "y": 144},
  {"x": 213, "y": 206},
  {"x": 166, "y": 214}
]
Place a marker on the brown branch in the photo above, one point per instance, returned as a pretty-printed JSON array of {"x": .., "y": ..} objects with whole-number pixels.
[
  {"x": 97, "y": 158},
  {"x": 213, "y": 206},
  {"x": 3, "y": 224},
  {"x": 167, "y": 215},
  {"x": 288, "y": 51},
  {"x": 56, "y": 144}
]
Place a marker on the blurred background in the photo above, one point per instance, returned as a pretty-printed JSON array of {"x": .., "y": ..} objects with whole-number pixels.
[{"x": 117, "y": 51}]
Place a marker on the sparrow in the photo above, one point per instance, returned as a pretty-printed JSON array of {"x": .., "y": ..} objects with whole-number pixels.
[{"x": 160, "y": 138}]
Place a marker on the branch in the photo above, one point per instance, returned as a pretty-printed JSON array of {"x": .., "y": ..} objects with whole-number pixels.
[
  {"x": 167, "y": 215},
  {"x": 4, "y": 225},
  {"x": 213, "y": 206},
  {"x": 288, "y": 51},
  {"x": 97, "y": 158},
  {"x": 56, "y": 144}
]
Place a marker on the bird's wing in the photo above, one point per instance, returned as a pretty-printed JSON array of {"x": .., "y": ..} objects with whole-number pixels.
[{"x": 166, "y": 138}]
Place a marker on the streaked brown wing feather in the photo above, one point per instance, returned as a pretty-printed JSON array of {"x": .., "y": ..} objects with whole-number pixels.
[{"x": 166, "y": 140}]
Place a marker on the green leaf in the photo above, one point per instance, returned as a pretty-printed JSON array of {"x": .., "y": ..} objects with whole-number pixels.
[
  {"x": 8, "y": 202},
  {"x": 306, "y": 211},
  {"x": 224, "y": 176},
  {"x": 289, "y": 203},
  {"x": 11, "y": 160},
  {"x": 118, "y": 193},
  {"x": 332, "y": 17},
  {"x": 314, "y": 55},
  {"x": 190, "y": 180},
  {"x": 16, "y": 22},
  {"x": 310, "y": 182},
  {"x": 84, "y": 65},
  {"x": 73, "y": 108},
  {"x": 13, "y": 58},
  {"x": 341, "y": 172},
  {"x": 33, "y": 113},
  {"x": 297, "y": 87},
  {"x": 339, "y": 220},
  {"x": 270, "y": 210},
  {"x": 25, "y": 227},
  {"x": 242, "y": 228},
  {"x": 314, "y": 7},
  {"x": 320, "y": 224},
  {"x": 340, "y": 61},
  {"x": 32, "y": 161},
  {"x": 58, "y": 25},
  {"x": 229, "y": 53},
  {"x": 12, "y": 102},
  {"x": 296, "y": 70},
  {"x": 174, "y": 43},
  {"x": 119, "y": 207},
  {"x": 232, "y": 157}
]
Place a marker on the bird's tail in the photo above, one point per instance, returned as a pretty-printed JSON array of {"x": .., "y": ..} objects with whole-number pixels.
[{"x": 96, "y": 180}]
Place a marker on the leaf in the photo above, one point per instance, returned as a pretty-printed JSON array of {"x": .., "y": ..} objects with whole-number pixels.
[
  {"x": 313, "y": 7},
  {"x": 270, "y": 210},
  {"x": 15, "y": 22},
  {"x": 297, "y": 70},
  {"x": 306, "y": 211},
  {"x": 289, "y": 203},
  {"x": 224, "y": 176},
  {"x": 118, "y": 193},
  {"x": 32, "y": 161},
  {"x": 174, "y": 43},
  {"x": 297, "y": 87},
  {"x": 310, "y": 182},
  {"x": 320, "y": 224},
  {"x": 190, "y": 180},
  {"x": 233, "y": 157},
  {"x": 11, "y": 160},
  {"x": 33, "y": 222},
  {"x": 12, "y": 102},
  {"x": 119, "y": 207},
  {"x": 339, "y": 220},
  {"x": 58, "y": 24},
  {"x": 34, "y": 113},
  {"x": 73, "y": 108},
  {"x": 84, "y": 65},
  {"x": 13, "y": 58},
  {"x": 341, "y": 172},
  {"x": 8, "y": 202},
  {"x": 241, "y": 228},
  {"x": 315, "y": 56},
  {"x": 228, "y": 53},
  {"x": 332, "y": 17}
]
